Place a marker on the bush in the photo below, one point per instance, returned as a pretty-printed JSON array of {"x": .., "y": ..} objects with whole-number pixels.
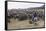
[{"x": 22, "y": 17}]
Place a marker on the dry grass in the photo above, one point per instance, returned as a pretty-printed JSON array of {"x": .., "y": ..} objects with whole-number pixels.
[{"x": 15, "y": 24}]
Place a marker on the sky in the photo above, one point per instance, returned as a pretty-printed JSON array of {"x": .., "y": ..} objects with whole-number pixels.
[{"x": 21, "y": 5}]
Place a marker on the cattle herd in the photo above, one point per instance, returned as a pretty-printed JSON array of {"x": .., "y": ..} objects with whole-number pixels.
[{"x": 24, "y": 14}]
